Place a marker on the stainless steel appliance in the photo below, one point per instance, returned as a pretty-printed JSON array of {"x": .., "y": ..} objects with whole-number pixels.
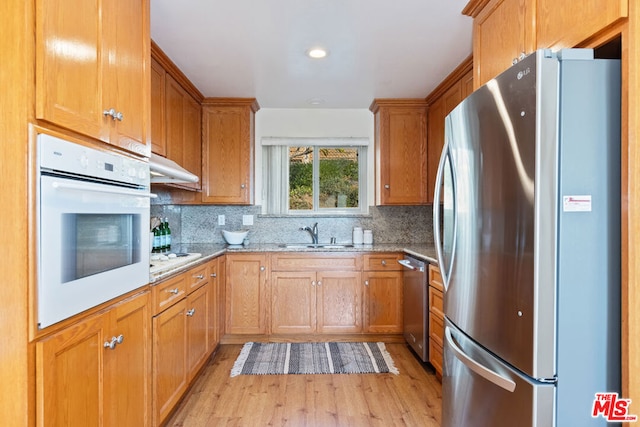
[
  {"x": 416, "y": 306},
  {"x": 93, "y": 227},
  {"x": 530, "y": 248}
]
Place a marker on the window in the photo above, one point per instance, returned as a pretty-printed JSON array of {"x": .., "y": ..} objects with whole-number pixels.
[{"x": 314, "y": 179}]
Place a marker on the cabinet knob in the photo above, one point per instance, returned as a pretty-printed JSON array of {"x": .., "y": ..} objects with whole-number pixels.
[
  {"x": 242, "y": 185},
  {"x": 199, "y": 276},
  {"x": 111, "y": 345},
  {"x": 313, "y": 283},
  {"x": 514, "y": 61},
  {"x": 384, "y": 262},
  {"x": 191, "y": 312},
  {"x": 175, "y": 291},
  {"x": 366, "y": 283},
  {"x": 262, "y": 268},
  {"x": 522, "y": 56},
  {"x": 111, "y": 112},
  {"x": 119, "y": 116},
  {"x": 214, "y": 275},
  {"x": 319, "y": 283},
  {"x": 386, "y": 186}
]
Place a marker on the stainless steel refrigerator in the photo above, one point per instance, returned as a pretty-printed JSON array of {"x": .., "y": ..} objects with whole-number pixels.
[{"x": 528, "y": 243}]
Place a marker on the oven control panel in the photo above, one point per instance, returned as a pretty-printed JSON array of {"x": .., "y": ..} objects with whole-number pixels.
[{"x": 66, "y": 157}]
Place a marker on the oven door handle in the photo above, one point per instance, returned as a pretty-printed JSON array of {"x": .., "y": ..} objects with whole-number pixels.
[{"x": 105, "y": 189}]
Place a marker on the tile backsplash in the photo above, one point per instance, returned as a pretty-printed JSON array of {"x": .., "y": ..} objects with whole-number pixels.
[{"x": 390, "y": 224}]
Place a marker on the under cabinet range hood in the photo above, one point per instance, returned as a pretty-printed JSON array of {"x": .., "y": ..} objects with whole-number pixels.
[{"x": 165, "y": 171}]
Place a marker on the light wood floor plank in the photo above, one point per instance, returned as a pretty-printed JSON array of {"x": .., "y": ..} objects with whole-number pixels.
[{"x": 412, "y": 398}]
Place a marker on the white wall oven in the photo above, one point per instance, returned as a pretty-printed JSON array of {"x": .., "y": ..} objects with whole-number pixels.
[{"x": 93, "y": 227}]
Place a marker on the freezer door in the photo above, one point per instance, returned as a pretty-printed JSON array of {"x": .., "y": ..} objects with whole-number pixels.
[{"x": 480, "y": 390}]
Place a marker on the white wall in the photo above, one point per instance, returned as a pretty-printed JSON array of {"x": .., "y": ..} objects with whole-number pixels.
[{"x": 283, "y": 122}]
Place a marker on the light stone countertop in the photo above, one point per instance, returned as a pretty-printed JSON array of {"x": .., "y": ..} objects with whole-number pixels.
[{"x": 424, "y": 251}]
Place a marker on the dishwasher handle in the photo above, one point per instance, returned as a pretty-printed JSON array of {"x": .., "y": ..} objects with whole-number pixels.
[{"x": 407, "y": 264}]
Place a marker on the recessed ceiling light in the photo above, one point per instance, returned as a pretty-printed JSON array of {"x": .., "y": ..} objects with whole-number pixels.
[
  {"x": 316, "y": 101},
  {"x": 317, "y": 52}
]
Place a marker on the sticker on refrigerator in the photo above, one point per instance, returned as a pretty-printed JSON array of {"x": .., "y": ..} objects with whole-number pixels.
[{"x": 576, "y": 203}]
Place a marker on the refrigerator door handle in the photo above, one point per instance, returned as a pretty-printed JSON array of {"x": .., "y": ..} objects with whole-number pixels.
[
  {"x": 476, "y": 367},
  {"x": 444, "y": 269}
]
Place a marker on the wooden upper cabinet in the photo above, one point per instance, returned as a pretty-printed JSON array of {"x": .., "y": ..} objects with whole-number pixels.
[
  {"x": 183, "y": 129},
  {"x": 400, "y": 151},
  {"x": 567, "y": 23},
  {"x": 503, "y": 30},
  {"x": 158, "y": 79},
  {"x": 92, "y": 69},
  {"x": 453, "y": 89},
  {"x": 228, "y": 152}
]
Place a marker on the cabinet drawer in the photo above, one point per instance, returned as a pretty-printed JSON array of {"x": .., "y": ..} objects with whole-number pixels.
[
  {"x": 436, "y": 329},
  {"x": 436, "y": 304},
  {"x": 435, "y": 279},
  {"x": 167, "y": 293},
  {"x": 435, "y": 356},
  {"x": 382, "y": 262},
  {"x": 196, "y": 277},
  {"x": 315, "y": 261}
]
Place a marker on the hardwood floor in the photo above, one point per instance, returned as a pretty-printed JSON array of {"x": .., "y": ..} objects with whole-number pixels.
[{"x": 412, "y": 398}]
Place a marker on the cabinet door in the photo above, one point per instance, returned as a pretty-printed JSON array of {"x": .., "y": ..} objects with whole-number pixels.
[
  {"x": 192, "y": 140},
  {"x": 503, "y": 30},
  {"x": 436, "y": 142},
  {"x": 339, "y": 302},
  {"x": 293, "y": 302},
  {"x": 227, "y": 155},
  {"x": 128, "y": 365},
  {"x": 383, "y": 301},
  {"x": 169, "y": 359},
  {"x": 402, "y": 156},
  {"x": 158, "y": 79},
  {"x": 586, "y": 18},
  {"x": 127, "y": 28},
  {"x": 197, "y": 329},
  {"x": 246, "y": 294},
  {"x": 71, "y": 66},
  {"x": 183, "y": 130},
  {"x": 70, "y": 375},
  {"x": 213, "y": 335}
]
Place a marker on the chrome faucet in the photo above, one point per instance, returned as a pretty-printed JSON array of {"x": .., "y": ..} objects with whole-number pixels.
[{"x": 313, "y": 231}]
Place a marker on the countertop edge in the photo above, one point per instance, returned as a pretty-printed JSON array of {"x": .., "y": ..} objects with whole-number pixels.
[{"x": 424, "y": 251}]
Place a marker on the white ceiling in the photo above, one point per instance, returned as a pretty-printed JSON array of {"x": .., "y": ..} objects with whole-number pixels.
[{"x": 256, "y": 48}]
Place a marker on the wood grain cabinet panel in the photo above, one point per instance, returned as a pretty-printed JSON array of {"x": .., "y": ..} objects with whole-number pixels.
[
  {"x": 339, "y": 302},
  {"x": 183, "y": 129},
  {"x": 400, "y": 151},
  {"x": 293, "y": 302},
  {"x": 228, "y": 151},
  {"x": 246, "y": 294},
  {"x": 93, "y": 57},
  {"x": 197, "y": 312},
  {"x": 502, "y": 31},
  {"x": 158, "y": 131},
  {"x": 567, "y": 23},
  {"x": 383, "y": 301},
  {"x": 83, "y": 380},
  {"x": 436, "y": 318}
]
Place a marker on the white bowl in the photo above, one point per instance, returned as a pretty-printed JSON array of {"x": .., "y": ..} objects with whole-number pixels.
[{"x": 234, "y": 237}]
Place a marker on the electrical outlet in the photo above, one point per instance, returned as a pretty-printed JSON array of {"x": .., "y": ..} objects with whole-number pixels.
[
  {"x": 247, "y": 219},
  {"x": 220, "y": 219}
]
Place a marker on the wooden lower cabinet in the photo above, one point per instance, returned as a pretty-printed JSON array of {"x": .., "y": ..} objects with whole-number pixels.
[
  {"x": 83, "y": 381},
  {"x": 383, "y": 298},
  {"x": 436, "y": 318},
  {"x": 246, "y": 294},
  {"x": 339, "y": 302},
  {"x": 184, "y": 333}
]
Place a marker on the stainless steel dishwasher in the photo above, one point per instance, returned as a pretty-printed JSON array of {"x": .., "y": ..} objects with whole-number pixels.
[{"x": 416, "y": 306}]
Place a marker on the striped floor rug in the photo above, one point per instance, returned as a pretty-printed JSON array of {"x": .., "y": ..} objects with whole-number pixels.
[{"x": 313, "y": 358}]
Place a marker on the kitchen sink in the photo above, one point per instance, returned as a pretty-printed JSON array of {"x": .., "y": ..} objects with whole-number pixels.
[{"x": 315, "y": 246}]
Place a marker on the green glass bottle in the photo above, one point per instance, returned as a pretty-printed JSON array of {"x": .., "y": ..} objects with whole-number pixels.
[{"x": 167, "y": 232}]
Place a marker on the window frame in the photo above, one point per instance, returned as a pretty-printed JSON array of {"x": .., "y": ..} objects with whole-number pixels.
[{"x": 362, "y": 209}]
